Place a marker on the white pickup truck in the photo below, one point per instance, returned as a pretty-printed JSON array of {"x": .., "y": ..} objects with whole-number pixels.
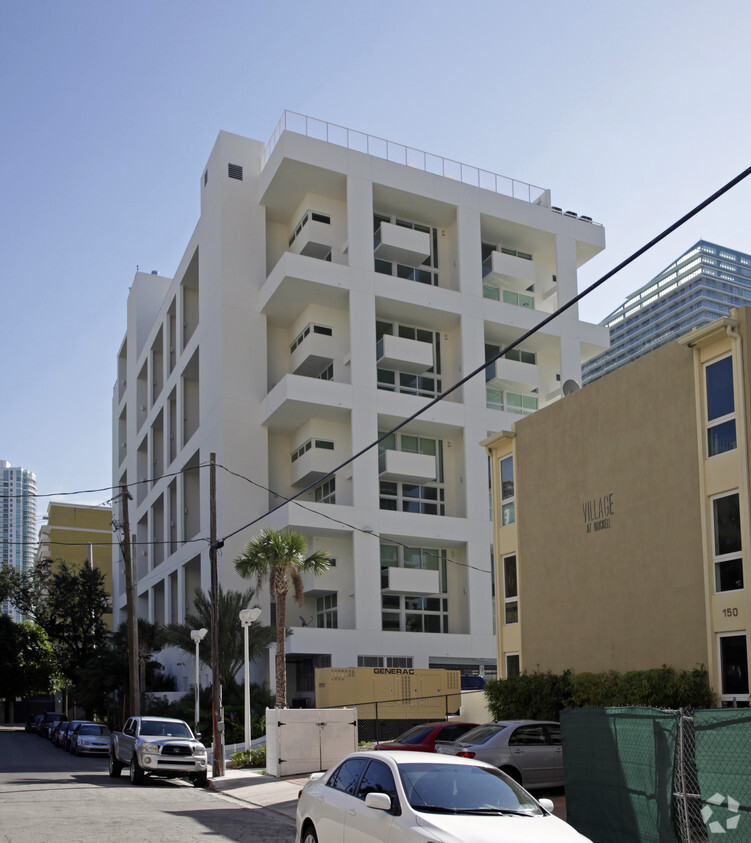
[{"x": 158, "y": 746}]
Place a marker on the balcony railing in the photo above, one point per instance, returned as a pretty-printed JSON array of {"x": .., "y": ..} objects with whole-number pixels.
[{"x": 291, "y": 121}]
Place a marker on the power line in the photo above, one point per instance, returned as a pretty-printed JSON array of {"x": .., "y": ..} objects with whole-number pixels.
[
  {"x": 105, "y": 488},
  {"x": 346, "y": 523},
  {"x": 541, "y": 324}
]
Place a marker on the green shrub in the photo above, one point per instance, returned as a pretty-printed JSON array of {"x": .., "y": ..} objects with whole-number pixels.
[
  {"x": 542, "y": 696},
  {"x": 254, "y": 758}
]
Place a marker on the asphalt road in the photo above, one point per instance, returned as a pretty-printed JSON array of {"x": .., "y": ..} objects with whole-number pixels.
[{"x": 49, "y": 795}]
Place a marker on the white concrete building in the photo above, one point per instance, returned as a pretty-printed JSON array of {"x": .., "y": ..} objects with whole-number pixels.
[
  {"x": 334, "y": 284},
  {"x": 18, "y": 511}
]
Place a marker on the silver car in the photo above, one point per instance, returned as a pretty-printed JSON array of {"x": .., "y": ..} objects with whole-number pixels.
[
  {"x": 91, "y": 738},
  {"x": 529, "y": 751}
]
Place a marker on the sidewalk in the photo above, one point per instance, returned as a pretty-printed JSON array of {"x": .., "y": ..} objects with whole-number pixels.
[{"x": 260, "y": 790}]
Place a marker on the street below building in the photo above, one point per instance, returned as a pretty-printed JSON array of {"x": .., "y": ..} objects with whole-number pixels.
[{"x": 49, "y": 795}]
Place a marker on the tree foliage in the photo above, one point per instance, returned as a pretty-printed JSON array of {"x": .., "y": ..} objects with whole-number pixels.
[
  {"x": 542, "y": 696},
  {"x": 279, "y": 556},
  {"x": 71, "y": 614},
  {"x": 231, "y": 643},
  {"x": 27, "y": 661},
  {"x": 106, "y": 675}
]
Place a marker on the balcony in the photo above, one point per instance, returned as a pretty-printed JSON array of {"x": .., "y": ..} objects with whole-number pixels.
[
  {"x": 404, "y": 355},
  {"x": 314, "y": 585},
  {"x": 312, "y": 461},
  {"x": 397, "y": 244},
  {"x": 401, "y": 466},
  {"x": 510, "y": 271},
  {"x": 312, "y": 236},
  {"x": 502, "y": 372},
  {"x": 312, "y": 351},
  {"x": 409, "y": 581}
]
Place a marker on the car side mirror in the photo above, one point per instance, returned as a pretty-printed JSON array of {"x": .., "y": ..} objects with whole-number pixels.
[
  {"x": 547, "y": 804},
  {"x": 379, "y": 801},
  {"x": 198, "y": 736}
]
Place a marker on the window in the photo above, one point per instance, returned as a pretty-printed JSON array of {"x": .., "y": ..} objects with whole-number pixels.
[
  {"x": 315, "y": 216},
  {"x": 427, "y": 384},
  {"x": 427, "y": 272},
  {"x": 734, "y": 669},
  {"x": 308, "y": 329},
  {"x": 413, "y": 613},
  {"x": 378, "y": 779},
  {"x": 345, "y": 778},
  {"x": 325, "y": 444},
  {"x": 528, "y": 736},
  {"x": 427, "y": 498},
  {"x": 513, "y": 667},
  {"x": 720, "y": 407},
  {"x": 326, "y": 612},
  {"x": 728, "y": 561},
  {"x": 326, "y": 491},
  {"x": 510, "y": 590},
  {"x": 508, "y": 512},
  {"x": 384, "y": 661},
  {"x": 327, "y": 374}
]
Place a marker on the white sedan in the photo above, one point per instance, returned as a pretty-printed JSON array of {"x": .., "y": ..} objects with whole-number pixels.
[{"x": 400, "y": 797}]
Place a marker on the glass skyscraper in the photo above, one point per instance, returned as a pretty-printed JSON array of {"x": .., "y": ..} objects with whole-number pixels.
[
  {"x": 18, "y": 512},
  {"x": 701, "y": 286}
]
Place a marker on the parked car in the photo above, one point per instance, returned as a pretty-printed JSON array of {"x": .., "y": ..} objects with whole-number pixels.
[
  {"x": 529, "y": 751},
  {"x": 36, "y": 724},
  {"x": 60, "y": 731},
  {"x": 158, "y": 746},
  {"x": 388, "y": 796},
  {"x": 49, "y": 718},
  {"x": 72, "y": 726},
  {"x": 422, "y": 738},
  {"x": 91, "y": 738},
  {"x": 55, "y": 731}
]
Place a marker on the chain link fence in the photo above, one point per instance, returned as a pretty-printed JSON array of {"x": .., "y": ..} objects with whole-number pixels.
[
  {"x": 637, "y": 775},
  {"x": 385, "y": 720}
]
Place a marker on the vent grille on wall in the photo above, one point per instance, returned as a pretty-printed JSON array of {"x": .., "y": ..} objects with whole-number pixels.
[{"x": 235, "y": 171}]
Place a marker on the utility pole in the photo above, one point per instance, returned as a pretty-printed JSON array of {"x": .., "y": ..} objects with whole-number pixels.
[
  {"x": 214, "y": 546},
  {"x": 130, "y": 601}
]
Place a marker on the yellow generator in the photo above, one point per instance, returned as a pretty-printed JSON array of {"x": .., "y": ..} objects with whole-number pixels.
[{"x": 390, "y": 693}]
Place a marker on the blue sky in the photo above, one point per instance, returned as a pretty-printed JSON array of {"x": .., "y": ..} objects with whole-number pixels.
[{"x": 630, "y": 112}]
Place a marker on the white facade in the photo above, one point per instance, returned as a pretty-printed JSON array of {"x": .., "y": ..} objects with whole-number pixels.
[
  {"x": 18, "y": 511},
  {"x": 326, "y": 295}
]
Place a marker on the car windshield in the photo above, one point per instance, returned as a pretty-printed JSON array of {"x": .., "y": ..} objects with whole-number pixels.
[
  {"x": 414, "y": 735},
  {"x": 480, "y": 734},
  {"x": 93, "y": 729},
  {"x": 464, "y": 789},
  {"x": 164, "y": 729}
]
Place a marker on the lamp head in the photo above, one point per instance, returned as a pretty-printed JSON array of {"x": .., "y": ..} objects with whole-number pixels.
[
  {"x": 249, "y": 616},
  {"x": 198, "y": 634}
]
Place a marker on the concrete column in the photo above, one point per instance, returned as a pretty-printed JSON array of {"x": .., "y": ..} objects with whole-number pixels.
[
  {"x": 181, "y": 594},
  {"x": 469, "y": 260},
  {"x": 360, "y": 223},
  {"x": 367, "y": 570}
]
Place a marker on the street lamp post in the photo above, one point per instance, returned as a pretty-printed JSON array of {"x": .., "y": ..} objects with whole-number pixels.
[
  {"x": 197, "y": 635},
  {"x": 247, "y": 617}
]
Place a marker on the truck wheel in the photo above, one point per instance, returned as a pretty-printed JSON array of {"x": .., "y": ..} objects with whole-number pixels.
[
  {"x": 115, "y": 767},
  {"x": 136, "y": 773},
  {"x": 200, "y": 779}
]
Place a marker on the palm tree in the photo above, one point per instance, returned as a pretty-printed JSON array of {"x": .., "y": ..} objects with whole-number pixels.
[
  {"x": 231, "y": 649},
  {"x": 279, "y": 555}
]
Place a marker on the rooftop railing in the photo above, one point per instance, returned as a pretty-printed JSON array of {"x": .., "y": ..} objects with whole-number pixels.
[{"x": 388, "y": 150}]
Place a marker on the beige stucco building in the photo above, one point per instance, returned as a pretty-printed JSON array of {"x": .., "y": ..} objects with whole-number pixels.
[
  {"x": 621, "y": 518},
  {"x": 79, "y": 534}
]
